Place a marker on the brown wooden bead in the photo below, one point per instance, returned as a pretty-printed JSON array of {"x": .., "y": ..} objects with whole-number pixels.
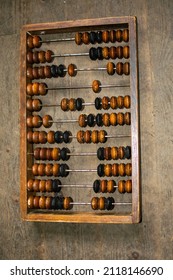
[
  {"x": 105, "y": 102},
  {"x": 82, "y": 120},
  {"x": 112, "y": 36},
  {"x": 30, "y": 42},
  {"x": 128, "y": 169},
  {"x": 36, "y": 41},
  {"x": 101, "y": 203},
  {"x": 108, "y": 170},
  {"x": 49, "y": 169},
  {"x": 125, "y": 35},
  {"x": 85, "y": 38},
  {"x": 105, "y": 52},
  {"x": 64, "y": 104},
  {"x": 121, "y": 169},
  {"x": 29, "y": 104},
  {"x": 128, "y": 186},
  {"x": 29, "y": 73},
  {"x": 87, "y": 136},
  {"x": 49, "y": 153},
  {"x": 106, "y": 119},
  {"x": 114, "y": 153},
  {"x": 94, "y": 203},
  {"x": 30, "y": 202},
  {"x": 120, "y": 102},
  {"x": 72, "y": 104},
  {"x": 36, "y": 121},
  {"x": 127, "y": 118},
  {"x": 29, "y": 121},
  {"x": 47, "y": 72},
  {"x": 119, "y": 68},
  {"x": 112, "y": 52},
  {"x": 121, "y": 186},
  {"x": 119, "y": 35},
  {"x": 37, "y": 153},
  {"x": 120, "y": 118},
  {"x": 48, "y": 185},
  {"x": 94, "y": 136},
  {"x": 80, "y": 136},
  {"x": 55, "y": 169},
  {"x": 42, "y": 137},
  {"x": 103, "y": 186},
  {"x": 126, "y": 68},
  {"x": 48, "y": 202},
  {"x": 126, "y": 53},
  {"x": 102, "y": 136},
  {"x": 42, "y": 186},
  {"x": 110, "y": 68},
  {"x": 51, "y": 137},
  {"x": 35, "y": 73},
  {"x": 42, "y": 200},
  {"x": 48, "y": 56},
  {"x": 41, "y": 169},
  {"x": 35, "y": 137},
  {"x": 127, "y": 101},
  {"x": 113, "y": 102},
  {"x": 41, "y": 56},
  {"x": 107, "y": 153},
  {"x": 119, "y": 52},
  {"x": 121, "y": 152},
  {"x": 105, "y": 36},
  {"x": 35, "y": 87},
  {"x": 72, "y": 70},
  {"x": 56, "y": 154},
  {"x": 78, "y": 38},
  {"x": 30, "y": 185},
  {"x": 96, "y": 86},
  {"x": 35, "y": 169},
  {"x": 47, "y": 121},
  {"x": 35, "y": 57},
  {"x": 36, "y": 105},
  {"x": 36, "y": 202},
  {"x": 41, "y": 72},
  {"x": 115, "y": 169},
  {"x": 43, "y": 154},
  {"x": 110, "y": 186},
  {"x": 113, "y": 119},
  {"x": 67, "y": 203},
  {"x": 29, "y": 90},
  {"x": 42, "y": 89}
]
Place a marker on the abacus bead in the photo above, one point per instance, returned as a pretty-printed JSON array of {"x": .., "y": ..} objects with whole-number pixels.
[
  {"x": 56, "y": 185},
  {"x": 29, "y": 104},
  {"x": 48, "y": 186},
  {"x": 126, "y": 68},
  {"x": 41, "y": 72},
  {"x": 99, "y": 120},
  {"x": 99, "y": 37},
  {"x": 96, "y": 186},
  {"x": 127, "y": 152},
  {"x": 51, "y": 137},
  {"x": 126, "y": 52},
  {"x": 29, "y": 73},
  {"x": 100, "y": 170},
  {"x": 113, "y": 102},
  {"x": 94, "y": 136},
  {"x": 49, "y": 153},
  {"x": 42, "y": 137},
  {"x": 78, "y": 38},
  {"x": 120, "y": 102},
  {"x": 36, "y": 202},
  {"x": 128, "y": 186},
  {"x": 113, "y": 119},
  {"x": 54, "y": 203},
  {"x": 128, "y": 169},
  {"x": 60, "y": 203},
  {"x": 112, "y": 36},
  {"x": 91, "y": 120},
  {"x": 42, "y": 202},
  {"x": 42, "y": 89},
  {"x": 49, "y": 169},
  {"x": 48, "y": 56},
  {"x": 66, "y": 136},
  {"x": 120, "y": 118},
  {"x": 121, "y": 169},
  {"x": 47, "y": 72},
  {"x": 30, "y": 185},
  {"x": 96, "y": 86},
  {"x": 64, "y": 154},
  {"x": 36, "y": 185},
  {"x": 85, "y": 38},
  {"x": 98, "y": 103},
  {"x": 82, "y": 120},
  {"x": 58, "y": 137},
  {"x": 54, "y": 70},
  {"x": 56, "y": 154},
  {"x": 115, "y": 169},
  {"x": 92, "y": 37},
  {"x": 35, "y": 169},
  {"x": 101, "y": 203},
  {"x": 106, "y": 119},
  {"x": 72, "y": 104},
  {"x": 108, "y": 170},
  {"x": 105, "y": 53},
  {"x": 99, "y": 53},
  {"x": 30, "y": 202},
  {"x": 60, "y": 70},
  {"x": 100, "y": 153},
  {"x": 30, "y": 42},
  {"x": 125, "y": 35},
  {"x": 121, "y": 186},
  {"x": 43, "y": 153},
  {"x": 63, "y": 170},
  {"x": 110, "y": 186},
  {"x": 109, "y": 203},
  {"x": 127, "y": 118},
  {"x": 105, "y": 36},
  {"x": 47, "y": 121},
  {"x": 35, "y": 88},
  {"x": 114, "y": 153},
  {"x": 35, "y": 73},
  {"x": 29, "y": 90},
  {"x": 119, "y": 35},
  {"x": 127, "y": 101},
  {"x": 102, "y": 136},
  {"x": 33, "y": 137},
  {"x": 105, "y": 102},
  {"x": 94, "y": 203},
  {"x": 107, "y": 153},
  {"x": 36, "y": 121},
  {"x": 93, "y": 54},
  {"x": 72, "y": 70},
  {"x": 110, "y": 68},
  {"x": 37, "y": 153},
  {"x": 48, "y": 202},
  {"x": 41, "y": 169},
  {"x": 112, "y": 52},
  {"x": 87, "y": 136},
  {"x": 35, "y": 57},
  {"x": 29, "y": 121},
  {"x": 36, "y": 41},
  {"x": 41, "y": 56},
  {"x": 68, "y": 203},
  {"x": 64, "y": 104},
  {"x": 42, "y": 185},
  {"x": 119, "y": 68},
  {"x": 79, "y": 104},
  {"x": 103, "y": 186},
  {"x": 121, "y": 152},
  {"x": 119, "y": 52},
  {"x": 36, "y": 105},
  {"x": 80, "y": 136}
]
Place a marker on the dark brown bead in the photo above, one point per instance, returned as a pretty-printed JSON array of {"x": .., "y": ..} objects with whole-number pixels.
[
  {"x": 42, "y": 89},
  {"x": 30, "y": 42},
  {"x": 119, "y": 52},
  {"x": 113, "y": 119},
  {"x": 78, "y": 38},
  {"x": 48, "y": 169},
  {"x": 102, "y": 136},
  {"x": 35, "y": 57},
  {"x": 112, "y": 36},
  {"x": 128, "y": 186},
  {"x": 126, "y": 53},
  {"x": 29, "y": 57},
  {"x": 87, "y": 136},
  {"x": 127, "y": 118},
  {"x": 72, "y": 70},
  {"x": 43, "y": 154},
  {"x": 41, "y": 169},
  {"x": 36, "y": 202},
  {"x": 121, "y": 186},
  {"x": 96, "y": 86},
  {"x": 30, "y": 185},
  {"x": 51, "y": 137},
  {"x": 42, "y": 137},
  {"x": 30, "y": 202},
  {"x": 126, "y": 68},
  {"x": 41, "y": 72},
  {"x": 119, "y": 68},
  {"x": 48, "y": 56},
  {"x": 47, "y": 121},
  {"x": 80, "y": 136},
  {"x": 106, "y": 119},
  {"x": 103, "y": 186},
  {"x": 36, "y": 104},
  {"x": 120, "y": 102},
  {"x": 128, "y": 169},
  {"x": 29, "y": 104},
  {"x": 82, "y": 120},
  {"x": 36, "y": 121},
  {"x": 121, "y": 152},
  {"x": 105, "y": 103},
  {"x": 29, "y": 121},
  {"x": 110, "y": 68},
  {"x": 119, "y": 35},
  {"x": 125, "y": 35},
  {"x": 35, "y": 73},
  {"x": 110, "y": 186},
  {"x": 115, "y": 169},
  {"x": 29, "y": 73},
  {"x": 48, "y": 185},
  {"x": 120, "y": 118},
  {"x": 71, "y": 104},
  {"x": 36, "y": 41},
  {"x": 107, "y": 153},
  {"x": 42, "y": 201},
  {"x": 113, "y": 102},
  {"x": 35, "y": 137},
  {"x": 105, "y": 36},
  {"x": 105, "y": 52},
  {"x": 85, "y": 38},
  {"x": 94, "y": 203},
  {"x": 47, "y": 71},
  {"x": 49, "y": 153},
  {"x": 37, "y": 153},
  {"x": 114, "y": 153},
  {"x": 29, "y": 90},
  {"x": 36, "y": 185},
  {"x": 112, "y": 52},
  {"x": 127, "y": 101},
  {"x": 64, "y": 104},
  {"x": 41, "y": 56}
]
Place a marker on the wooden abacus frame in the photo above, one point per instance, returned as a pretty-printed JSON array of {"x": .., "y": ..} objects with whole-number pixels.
[{"x": 77, "y": 26}]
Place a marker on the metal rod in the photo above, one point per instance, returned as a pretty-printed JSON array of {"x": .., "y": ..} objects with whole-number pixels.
[
  {"x": 81, "y": 170},
  {"x": 69, "y": 54},
  {"x": 57, "y": 40}
]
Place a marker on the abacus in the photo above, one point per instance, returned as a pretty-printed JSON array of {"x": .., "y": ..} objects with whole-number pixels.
[{"x": 79, "y": 122}]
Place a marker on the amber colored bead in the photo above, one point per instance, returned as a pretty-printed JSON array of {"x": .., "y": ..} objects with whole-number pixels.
[
  {"x": 35, "y": 73},
  {"x": 41, "y": 56},
  {"x": 85, "y": 38},
  {"x": 103, "y": 186},
  {"x": 56, "y": 154},
  {"x": 127, "y": 101},
  {"x": 42, "y": 89},
  {"x": 42, "y": 186},
  {"x": 127, "y": 118},
  {"x": 67, "y": 203},
  {"x": 107, "y": 153},
  {"x": 49, "y": 169},
  {"x": 48, "y": 202},
  {"x": 125, "y": 35},
  {"x": 119, "y": 35},
  {"x": 41, "y": 169},
  {"x": 30, "y": 185},
  {"x": 105, "y": 52},
  {"x": 35, "y": 137},
  {"x": 106, "y": 119},
  {"x": 41, "y": 72},
  {"x": 120, "y": 102},
  {"x": 30, "y": 42},
  {"x": 48, "y": 56},
  {"x": 96, "y": 86},
  {"x": 121, "y": 169},
  {"x": 80, "y": 136},
  {"x": 35, "y": 87},
  {"x": 126, "y": 68},
  {"x": 121, "y": 152},
  {"x": 113, "y": 102},
  {"x": 35, "y": 57},
  {"x": 112, "y": 52},
  {"x": 128, "y": 186},
  {"x": 64, "y": 104},
  {"x": 48, "y": 185},
  {"x": 30, "y": 202},
  {"x": 43, "y": 154},
  {"x": 105, "y": 36},
  {"x": 71, "y": 104},
  {"x": 82, "y": 120},
  {"x": 36, "y": 105},
  {"x": 42, "y": 200},
  {"x": 110, "y": 68},
  {"x": 112, "y": 36},
  {"x": 36, "y": 121},
  {"x": 126, "y": 53},
  {"x": 42, "y": 137},
  {"x": 113, "y": 119},
  {"x": 108, "y": 170},
  {"x": 128, "y": 169},
  {"x": 119, "y": 68},
  {"x": 120, "y": 118},
  {"x": 110, "y": 186},
  {"x": 51, "y": 137},
  {"x": 101, "y": 203},
  {"x": 47, "y": 121},
  {"x": 49, "y": 153},
  {"x": 78, "y": 38},
  {"x": 37, "y": 153},
  {"x": 55, "y": 169},
  {"x": 87, "y": 136},
  {"x": 29, "y": 104},
  {"x": 94, "y": 136},
  {"x": 121, "y": 186},
  {"x": 72, "y": 70},
  {"x": 119, "y": 52},
  {"x": 94, "y": 203},
  {"x": 105, "y": 103},
  {"x": 102, "y": 136},
  {"x": 29, "y": 73},
  {"x": 47, "y": 72},
  {"x": 36, "y": 41},
  {"x": 29, "y": 121},
  {"x": 29, "y": 90},
  {"x": 35, "y": 169},
  {"x": 115, "y": 169},
  {"x": 114, "y": 153}
]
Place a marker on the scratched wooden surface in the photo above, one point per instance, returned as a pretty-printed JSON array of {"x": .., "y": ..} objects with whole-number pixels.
[{"x": 153, "y": 238}]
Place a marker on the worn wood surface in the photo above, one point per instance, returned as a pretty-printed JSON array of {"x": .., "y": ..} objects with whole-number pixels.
[{"x": 153, "y": 238}]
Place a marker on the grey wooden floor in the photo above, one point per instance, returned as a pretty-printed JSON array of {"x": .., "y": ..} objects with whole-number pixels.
[{"x": 153, "y": 238}]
